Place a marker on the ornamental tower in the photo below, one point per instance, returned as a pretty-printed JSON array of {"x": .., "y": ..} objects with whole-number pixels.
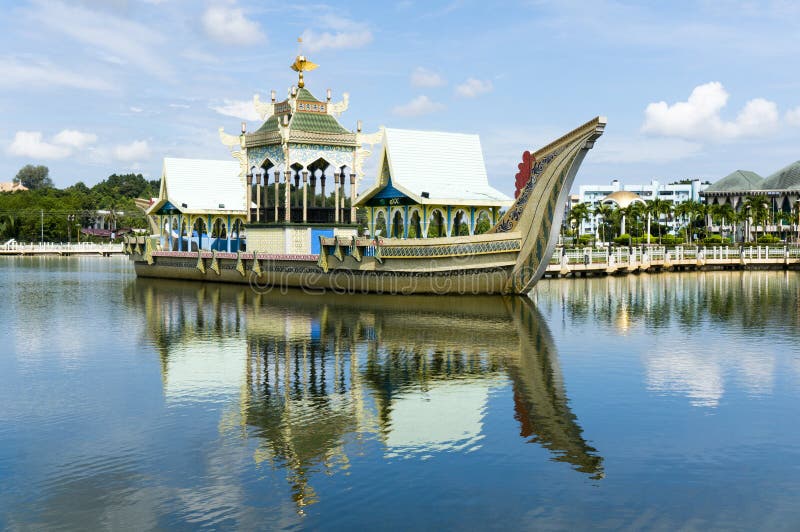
[{"x": 303, "y": 151}]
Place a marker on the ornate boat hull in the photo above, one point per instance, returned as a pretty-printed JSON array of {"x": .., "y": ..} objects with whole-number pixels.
[{"x": 509, "y": 259}]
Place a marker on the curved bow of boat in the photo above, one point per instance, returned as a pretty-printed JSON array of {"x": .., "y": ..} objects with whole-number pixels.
[{"x": 538, "y": 211}]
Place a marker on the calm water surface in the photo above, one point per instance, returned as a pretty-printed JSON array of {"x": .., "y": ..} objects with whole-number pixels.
[{"x": 652, "y": 401}]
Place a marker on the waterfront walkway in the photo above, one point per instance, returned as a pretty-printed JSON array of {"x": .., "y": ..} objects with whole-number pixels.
[
  {"x": 60, "y": 248},
  {"x": 622, "y": 260}
]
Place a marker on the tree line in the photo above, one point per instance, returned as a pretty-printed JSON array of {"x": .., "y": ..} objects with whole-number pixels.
[
  {"x": 58, "y": 214},
  {"x": 693, "y": 221}
]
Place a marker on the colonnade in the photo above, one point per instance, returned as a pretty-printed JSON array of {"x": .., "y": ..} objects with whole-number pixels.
[
  {"x": 177, "y": 231},
  {"x": 415, "y": 221},
  {"x": 296, "y": 196}
]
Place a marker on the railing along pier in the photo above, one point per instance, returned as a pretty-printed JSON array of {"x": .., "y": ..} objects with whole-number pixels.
[
  {"x": 621, "y": 260},
  {"x": 61, "y": 248}
]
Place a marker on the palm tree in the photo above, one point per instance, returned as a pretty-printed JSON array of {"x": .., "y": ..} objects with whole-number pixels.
[
  {"x": 684, "y": 211},
  {"x": 605, "y": 212},
  {"x": 656, "y": 208},
  {"x": 689, "y": 211},
  {"x": 721, "y": 213},
  {"x": 578, "y": 214},
  {"x": 620, "y": 214},
  {"x": 758, "y": 209},
  {"x": 701, "y": 211},
  {"x": 636, "y": 212},
  {"x": 796, "y": 220},
  {"x": 9, "y": 226}
]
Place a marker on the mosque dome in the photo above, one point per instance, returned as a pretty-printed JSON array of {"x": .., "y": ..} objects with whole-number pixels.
[
  {"x": 787, "y": 178},
  {"x": 622, "y": 198},
  {"x": 738, "y": 181}
]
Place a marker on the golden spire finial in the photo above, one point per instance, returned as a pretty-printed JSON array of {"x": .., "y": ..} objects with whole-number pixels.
[{"x": 301, "y": 64}]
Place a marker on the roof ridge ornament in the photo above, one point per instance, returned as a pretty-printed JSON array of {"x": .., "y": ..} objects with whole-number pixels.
[
  {"x": 264, "y": 110},
  {"x": 336, "y": 109},
  {"x": 302, "y": 64}
]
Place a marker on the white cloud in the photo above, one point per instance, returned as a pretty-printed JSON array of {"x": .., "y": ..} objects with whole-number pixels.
[
  {"x": 472, "y": 88},
  {"x": 42, "y": 74},
  {"x": 422, "y": 77},
  {"x": 124, "y": 39},
  {"x": 74, "y": 139},
  {"x": 421, "y": 105},
  {"x": 30, "y": 144},
  {"x": 345, "y": 33},
  {"x": 63, "y": 144},
  {"x": 243, "y": 109},
  {"x": 793, "y": 116},
  {"x": 138, "y": 149},
  {"x": 228, "y": 25},
  {"x": 699, "y": 117}
]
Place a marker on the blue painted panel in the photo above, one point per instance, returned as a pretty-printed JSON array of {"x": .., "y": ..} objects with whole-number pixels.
[
  {"x": 389, "y": 192},
  {"x": 315, "y": 234},
  {"x": 167, "y": 208}
]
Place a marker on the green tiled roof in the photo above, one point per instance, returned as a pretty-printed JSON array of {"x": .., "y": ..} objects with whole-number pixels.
[
  {"x": 316, "y": 123},
  {"x": 305, "y": 95},
  {"x": 304, "y": 123},
  {"x": 787, "y": 178},
  {"x": 270, "y": 125},
  {"x": 738, "y": 180}
]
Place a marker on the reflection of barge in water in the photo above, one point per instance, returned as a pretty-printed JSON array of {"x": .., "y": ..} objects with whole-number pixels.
[
  {"x": 290, "y": 246},
  {"x": 315, "y": 376}
]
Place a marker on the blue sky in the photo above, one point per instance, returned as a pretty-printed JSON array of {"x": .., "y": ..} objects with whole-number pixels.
[{"x": 690, "y": 89}]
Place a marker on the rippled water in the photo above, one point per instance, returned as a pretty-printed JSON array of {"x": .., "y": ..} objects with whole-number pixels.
[{"x": 652, "y": 401}]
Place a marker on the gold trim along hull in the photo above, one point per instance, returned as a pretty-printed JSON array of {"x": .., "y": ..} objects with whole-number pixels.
[{"x": 509, "y": 259}]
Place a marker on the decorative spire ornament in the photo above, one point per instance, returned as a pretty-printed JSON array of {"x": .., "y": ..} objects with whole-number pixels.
[{"x": 301, "y": 64}]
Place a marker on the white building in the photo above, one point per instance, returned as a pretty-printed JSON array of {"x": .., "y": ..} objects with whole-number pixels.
[{"x": 674, "y": 193}]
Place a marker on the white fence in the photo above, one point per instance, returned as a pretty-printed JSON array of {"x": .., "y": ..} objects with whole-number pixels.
[
  {"x": 636, "y": 255},
  {"x": 60, "y": 248}
]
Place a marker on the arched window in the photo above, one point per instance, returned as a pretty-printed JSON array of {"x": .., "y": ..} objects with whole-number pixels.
[
  {"x": 397, "y": 225},
  {"x": 437, "y": 226},
  {"x": 380, "y": 224}
]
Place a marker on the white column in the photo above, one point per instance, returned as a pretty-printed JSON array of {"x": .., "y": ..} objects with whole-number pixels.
[
  {"x": 249, "y": 194},
  {"x": 305, "y": 196},
  {"x": 277, "y": 178},
  {"x": 336, "y": 196},
  {"x": 258, "y": 199},
  {"x": 352, "y": 198},
  {"x": 287, "y": 177}
]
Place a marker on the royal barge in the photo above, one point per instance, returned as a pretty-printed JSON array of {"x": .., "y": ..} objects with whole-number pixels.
[{"x": 419, "y": 231}]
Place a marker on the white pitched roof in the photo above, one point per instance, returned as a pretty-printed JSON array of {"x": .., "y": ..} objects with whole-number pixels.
[
  {"x": 448, "y": 166},
  {"x": 204, "y": 185}
]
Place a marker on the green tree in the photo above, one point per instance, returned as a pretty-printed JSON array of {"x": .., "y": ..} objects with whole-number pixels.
[
  {"x": 757, "y": 208},
  {"x": 578, "y": 214},
  {"x": 34, "y": 177},
  {"x": 721, "y": 215},
  {"x": 605, "y": 212},
  {"x": 688, "y": 212},
  {"x": 796, "y": 217},
  {"x": 621, "y": 217},
  {"x": 9, "y": 226},
  {"x": 636, "y": 212}
]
